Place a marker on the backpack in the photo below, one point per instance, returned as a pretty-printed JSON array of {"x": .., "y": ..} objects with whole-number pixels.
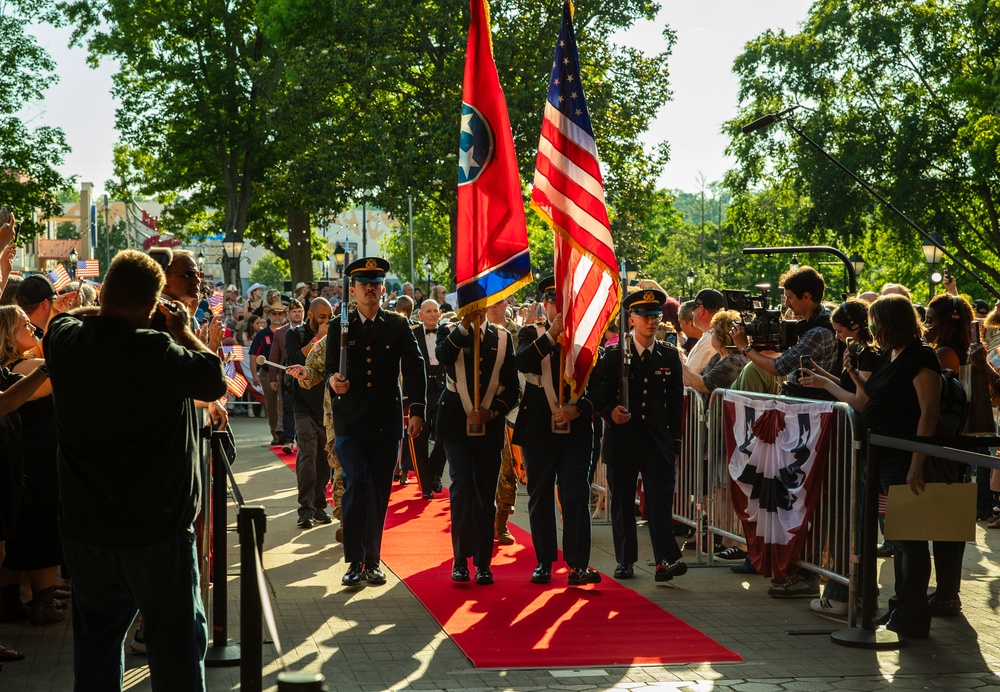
[{"x": 954, "y": 409}]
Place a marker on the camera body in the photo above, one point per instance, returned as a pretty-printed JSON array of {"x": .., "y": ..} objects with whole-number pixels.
[{"x": 766, "y": 328}]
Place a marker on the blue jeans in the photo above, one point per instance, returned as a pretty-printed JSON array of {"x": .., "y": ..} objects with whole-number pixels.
[{"x": 110, "y": 585}]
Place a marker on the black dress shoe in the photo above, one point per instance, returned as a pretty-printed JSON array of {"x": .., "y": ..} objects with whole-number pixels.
[
  {"x": 374, "y": 575},
  {"x": 437, "y": 487},
  {"x": 322, "y": 517},
  {"x": 578, "y": 576},
  {"x": 484, "y": 575},
  {"x": 404, "y": 480},
  {"x": 542, "y": 574},
  {"x": 460, "y": 570},
  {"x": 623, "y": 571},
  {"x": 304, "y": 523},
  {"x": 427, "y": 495},
  {"x": 665, "y": 571},
  {"x": 354, "y": 574}
]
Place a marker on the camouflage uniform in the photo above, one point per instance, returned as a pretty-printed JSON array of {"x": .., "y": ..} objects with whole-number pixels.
[
  {"x": 315, "y": 365},
  {"x": 507, "y": 484}
]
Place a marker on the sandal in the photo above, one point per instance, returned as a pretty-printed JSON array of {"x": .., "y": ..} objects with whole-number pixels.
[
  {"x": 995, "y": 524},
  {"x": 10, "y": 654}
]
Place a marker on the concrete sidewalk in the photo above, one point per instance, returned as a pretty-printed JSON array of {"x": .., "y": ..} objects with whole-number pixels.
[{"x": 381, "y": 638}]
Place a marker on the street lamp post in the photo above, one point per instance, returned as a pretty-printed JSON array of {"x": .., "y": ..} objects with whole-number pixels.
[
  {"x": 338, "y": 256},
  {"x": 72, "y": 261},
  {"x": 689, "y": 280},
  {"x": 932, "y": 255},
  {"x": 427, "y": 266},
  {"x": 232, "y": 247},
  {"x": 857, "y": 264},
  {"x": 200, "y": 259}
]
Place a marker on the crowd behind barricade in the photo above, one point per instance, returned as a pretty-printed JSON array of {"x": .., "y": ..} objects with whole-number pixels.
[{"x": 394, "y": 395}]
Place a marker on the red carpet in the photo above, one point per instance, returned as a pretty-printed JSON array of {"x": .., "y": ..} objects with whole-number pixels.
[{"x": 517, "y": 624}]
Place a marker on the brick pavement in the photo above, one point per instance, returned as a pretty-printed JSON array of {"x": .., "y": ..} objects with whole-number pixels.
[{"x": 381, "y": 638}]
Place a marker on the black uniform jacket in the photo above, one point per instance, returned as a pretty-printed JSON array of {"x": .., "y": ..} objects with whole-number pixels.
[
  {"x": 435, "y": 373},
  {"x": 451, "y": 416},
  {"x": 656, "y": 402},
  {"x": 534, "y": 420},
  {"x": 373, "y": 406}
]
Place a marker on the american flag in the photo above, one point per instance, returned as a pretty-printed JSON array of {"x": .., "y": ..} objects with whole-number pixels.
[
  {"x": 88, "y": 268},
  {"x": 60, "y": 277},
  {"x": 569, "y": 195},
  {"x": 215, "y": 302},
  {"x": 237, "y": 384},
  {"x": 236, "y": 350}
]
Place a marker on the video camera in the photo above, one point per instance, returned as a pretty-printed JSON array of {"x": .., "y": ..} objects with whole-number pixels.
[{"x": 765, "y": 327}]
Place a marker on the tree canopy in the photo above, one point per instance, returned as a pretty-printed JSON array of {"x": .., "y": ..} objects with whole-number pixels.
[{"x": 904, "y": 93}]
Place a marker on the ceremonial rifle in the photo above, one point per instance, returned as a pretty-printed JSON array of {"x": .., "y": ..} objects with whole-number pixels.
[
  {"x": 344, "y": 317},
  {"x": 623, "y": 339}
]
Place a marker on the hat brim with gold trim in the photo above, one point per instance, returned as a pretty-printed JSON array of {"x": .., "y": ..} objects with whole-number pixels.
[
  {"x": 369, "y": 270},
  {"x": 546, "y": 288},
  {"x": 645, "y": 302}
]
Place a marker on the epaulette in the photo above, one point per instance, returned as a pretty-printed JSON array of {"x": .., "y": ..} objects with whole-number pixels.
[{"x": 666, "y": 344}]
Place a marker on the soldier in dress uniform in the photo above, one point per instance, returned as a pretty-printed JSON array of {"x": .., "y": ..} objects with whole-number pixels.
[
  {"x": 474, "y": 461},
  {"x": 551, "y": 456},
  {"x": 507, "y": 483},
  {"x": 430, "y": 465},
  {"x": 368, "y": 413},
  {"x": 642, "y": 438}
]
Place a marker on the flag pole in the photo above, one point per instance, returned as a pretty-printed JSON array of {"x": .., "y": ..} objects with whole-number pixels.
[
  {"x": 561, "y": 428},
  {"x": 475, "y": 430}
]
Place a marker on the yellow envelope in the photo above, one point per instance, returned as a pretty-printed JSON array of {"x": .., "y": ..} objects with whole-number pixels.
[{"x": 943, "y": 512}]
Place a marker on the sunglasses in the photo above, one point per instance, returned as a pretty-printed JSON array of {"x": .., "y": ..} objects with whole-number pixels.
[{"x": 190, "y": 274}]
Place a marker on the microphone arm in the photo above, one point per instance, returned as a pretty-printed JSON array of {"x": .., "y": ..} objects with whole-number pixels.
[
  {"x": 886, "y": 203},
  {"x": 766, "y": 120}
]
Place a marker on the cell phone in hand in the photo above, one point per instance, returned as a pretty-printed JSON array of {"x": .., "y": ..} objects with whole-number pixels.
[
  {"x": 805, "y": 362},
  {"x": 976, "y": 332},
  {"x": 853, "y": 349}
]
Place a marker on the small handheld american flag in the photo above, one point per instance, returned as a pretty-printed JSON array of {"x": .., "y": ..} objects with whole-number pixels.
[
  {"x": 60, "y": 277},
  {"x": 88, "y": 268}
]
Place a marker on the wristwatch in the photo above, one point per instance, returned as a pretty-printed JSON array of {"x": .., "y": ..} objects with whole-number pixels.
[
  {"x": 44, "y": 369},
  {"x": 746, "y": 349}
]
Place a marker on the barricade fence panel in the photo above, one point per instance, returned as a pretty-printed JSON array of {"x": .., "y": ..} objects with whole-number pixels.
[{"x": 830, "y": 541}]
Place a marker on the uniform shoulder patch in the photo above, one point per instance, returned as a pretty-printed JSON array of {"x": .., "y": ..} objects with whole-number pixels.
[{"x": 666, "y": 344}]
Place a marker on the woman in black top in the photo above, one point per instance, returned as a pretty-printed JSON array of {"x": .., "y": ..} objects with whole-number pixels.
[
  {"x": 948, "y": 324},
  {"x": 901, "y": 398}
]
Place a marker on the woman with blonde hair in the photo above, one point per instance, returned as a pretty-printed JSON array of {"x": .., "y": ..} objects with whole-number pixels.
[
  {"x": 34, "y": 547},
  {"x": 725, "y": 366}
]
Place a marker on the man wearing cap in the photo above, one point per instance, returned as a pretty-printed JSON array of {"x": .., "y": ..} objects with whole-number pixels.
[
  {"x": 706, "y": 304},
  {"x": 263, "y": 340},
  {"x": 37, "y": 297},
  {"x": 474, "y": 460},
  {"x": 551, "y": 456},
  {"x": 368, "y": 413},
  {"x": 643, "y": 437}
]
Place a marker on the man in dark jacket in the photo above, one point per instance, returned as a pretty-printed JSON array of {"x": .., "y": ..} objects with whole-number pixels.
[
  {"x": 312, "y": 473},
  {"x": 148, "y": 471},
  {"x": 643, "y": 437},
  {"x": 367, "y": 409}
]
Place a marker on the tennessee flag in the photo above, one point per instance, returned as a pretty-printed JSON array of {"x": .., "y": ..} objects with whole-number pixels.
[
  {"x": 569, "y": 194},
  {"x": 491, "y": 254}
]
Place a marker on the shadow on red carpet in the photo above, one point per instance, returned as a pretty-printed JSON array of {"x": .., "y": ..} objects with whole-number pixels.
[{"x": 516, "y": 624}]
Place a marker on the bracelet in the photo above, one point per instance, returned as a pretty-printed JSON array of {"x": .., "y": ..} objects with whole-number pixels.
[{"x": 44, "y": 369}]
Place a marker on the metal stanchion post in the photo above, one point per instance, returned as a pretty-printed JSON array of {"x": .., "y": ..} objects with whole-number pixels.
[
  {"x": 251, "y": 523},
  {"x": 297, "y": 681},
  {"x": 220, "y": 651},
  {"x": 867, "y": 635}
]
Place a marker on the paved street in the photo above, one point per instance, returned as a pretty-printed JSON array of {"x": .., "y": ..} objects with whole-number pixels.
[{"x": 381, "y": 638}]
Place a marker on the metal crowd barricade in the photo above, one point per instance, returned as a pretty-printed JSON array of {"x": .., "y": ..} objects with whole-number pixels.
[
  {"x": 688, "y": 504},
  {"x": 832, "y": 532}
]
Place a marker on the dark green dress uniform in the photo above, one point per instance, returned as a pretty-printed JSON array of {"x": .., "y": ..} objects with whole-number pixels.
[
  {"x": 646, "y": 444},
  {"x": 551, "y": 457},
  {"x": 474, "y": 462},
  {"x": 369, "y": 417}
]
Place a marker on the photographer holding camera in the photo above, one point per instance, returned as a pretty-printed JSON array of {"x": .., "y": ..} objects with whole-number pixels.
[{"x": 817, "y": 343}]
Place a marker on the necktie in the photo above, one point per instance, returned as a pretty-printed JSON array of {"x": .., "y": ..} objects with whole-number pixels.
[
  {"x": 430, "y": 331},
  {"x": 645, "y": 357}
]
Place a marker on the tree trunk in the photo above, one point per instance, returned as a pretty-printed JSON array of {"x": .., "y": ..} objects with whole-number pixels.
[{"x": 299, "y": 246}]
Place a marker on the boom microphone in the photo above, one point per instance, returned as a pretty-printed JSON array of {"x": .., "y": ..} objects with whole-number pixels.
[{"x": 766, "y": 120}]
